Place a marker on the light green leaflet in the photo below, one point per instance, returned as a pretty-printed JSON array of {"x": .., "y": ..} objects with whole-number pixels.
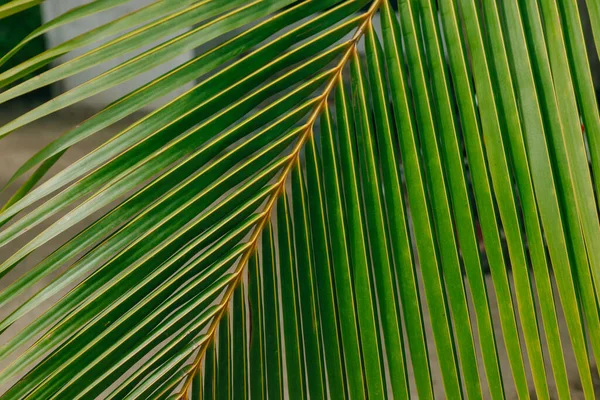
[{"x": 15, "y": 6}]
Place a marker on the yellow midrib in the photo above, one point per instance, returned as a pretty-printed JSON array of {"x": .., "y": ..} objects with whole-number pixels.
[{"x": 280, "y": 186}]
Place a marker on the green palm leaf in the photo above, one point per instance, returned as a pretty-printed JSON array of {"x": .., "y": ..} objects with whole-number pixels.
[{"x": 317, "y": 215}]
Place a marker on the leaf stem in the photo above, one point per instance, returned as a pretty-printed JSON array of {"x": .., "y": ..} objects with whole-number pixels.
[{"x": 293, "y": 159}]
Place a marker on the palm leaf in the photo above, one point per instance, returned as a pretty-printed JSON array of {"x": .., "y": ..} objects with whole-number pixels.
[
  {"x": 13, "y": 7},
  {"x": 304, "y": 222}
]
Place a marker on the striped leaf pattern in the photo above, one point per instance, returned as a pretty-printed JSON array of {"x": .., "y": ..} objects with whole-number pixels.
[{"x": 356, "y": 199}]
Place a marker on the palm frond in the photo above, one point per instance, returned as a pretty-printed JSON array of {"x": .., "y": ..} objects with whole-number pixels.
[
  {"x": 16, "y": 6},
  {"x": 304, "y": 222}
]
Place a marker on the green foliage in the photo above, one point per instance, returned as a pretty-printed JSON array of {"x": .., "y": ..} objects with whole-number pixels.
[
  {"x": 14, "y": 29},
  {"x": 305, "y": 221}
]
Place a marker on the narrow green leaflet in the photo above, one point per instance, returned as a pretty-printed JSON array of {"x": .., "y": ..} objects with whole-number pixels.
[
  {"x": 270, "y": 288},
  {"x": 365, "y": 306},
  {"x": 292, "y": 334},
  {"x": 340, "y": 258},
  {"x": 224, "y": 358},
  {"x": 239, "y": 346},
  {"x": 323, "y": 275},
  {"x": 196, "y": 391},
  {"x": 594, "y": 12},
  {"x": 307, "y": 288},
  {"x": 147, "y": 13},
  {"x": 210, "y": 373},
  {"x": 374, "y": 215},
  {"x": 256, "y": 370},
  {"x": 15, "y": 6}
]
